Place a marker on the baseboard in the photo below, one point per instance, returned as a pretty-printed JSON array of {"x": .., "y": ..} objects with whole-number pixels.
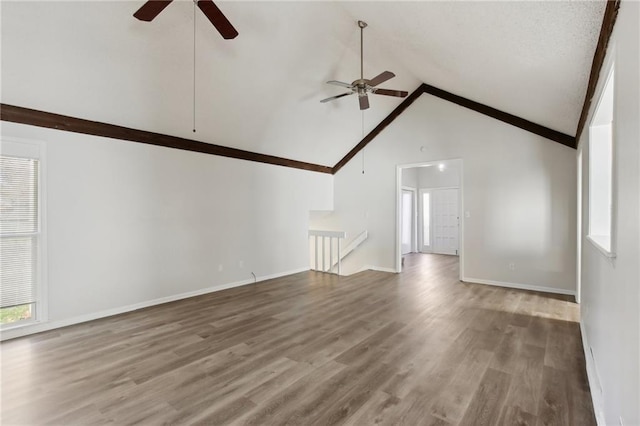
[
  {"x": 520, "y": 286},
  {"x": 381, "y": 269},
  {"x": 374, "y": 268},
  {"x": 39, "y": 327},
  {"x": 592, "y": 376}
]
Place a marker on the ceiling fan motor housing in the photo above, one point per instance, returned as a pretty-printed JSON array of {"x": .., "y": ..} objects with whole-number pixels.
[{"x": 363, "y": 86}]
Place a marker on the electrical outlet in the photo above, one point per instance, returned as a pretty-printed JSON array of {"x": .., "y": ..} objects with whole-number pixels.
[
  {"x": 241, "y": 263},
  {"x": 220, "y": 267},
  {"x": 512, "y": 266}
]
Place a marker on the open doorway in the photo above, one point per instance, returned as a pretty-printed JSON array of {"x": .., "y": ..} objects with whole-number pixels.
[{"x": 429, "y": 210}]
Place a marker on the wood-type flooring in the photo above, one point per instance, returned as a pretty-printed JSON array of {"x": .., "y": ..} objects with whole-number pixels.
[{"x": 416, "y": 348}]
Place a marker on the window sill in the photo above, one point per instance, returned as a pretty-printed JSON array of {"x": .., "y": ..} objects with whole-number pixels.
[
  {"x": 12, "y": 331},
  {"x": 603, "y": 244},
  {"x": 18, "y": 324}
]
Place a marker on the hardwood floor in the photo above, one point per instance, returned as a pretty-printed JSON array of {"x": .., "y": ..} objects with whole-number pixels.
[{"x": 314, "y": 349}]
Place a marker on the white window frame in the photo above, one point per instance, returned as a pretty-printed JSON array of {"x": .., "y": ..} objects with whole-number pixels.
[
  {"x": 414, "y": 214},
  {"x": 36, "y": 150},
  {"x": 425, "y": 248},
  {"x": 599, "y": 241}
]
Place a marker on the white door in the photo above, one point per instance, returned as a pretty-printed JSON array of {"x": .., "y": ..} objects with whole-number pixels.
[
  {"x": 445, "y": 221},
  {"x": 408, "y": 231}
]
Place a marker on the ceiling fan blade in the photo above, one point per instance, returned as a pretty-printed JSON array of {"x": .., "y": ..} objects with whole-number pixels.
[
  {"x": 381, "y": 78},
  {"x": 151, "y": 9},
  {"x": 340, "y": 83},
  {"x": 388, "y": 92},
  {"x": 217, "y": 18},
  {"x": 336, "y": 97},
  {"x": 364, "y": 102}
]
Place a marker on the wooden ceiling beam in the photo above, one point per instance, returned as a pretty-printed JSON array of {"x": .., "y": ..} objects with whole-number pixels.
[
  {"x": 49, "y": 120},
  {"x": 516, "y": 121},
  {"x": 608, "y": 22},
  {"x": 511, "y": 119},
  {"x": 33, "y": 117},
  {"x": 379, "y": 128}
]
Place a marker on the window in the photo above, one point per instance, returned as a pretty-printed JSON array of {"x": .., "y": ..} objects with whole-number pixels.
[
  {"x": 601, "y": 170},
  {"x": 408, "y": 232},
  {"x": 20, "y": 235},
  {"x": 426, "y": 219}
]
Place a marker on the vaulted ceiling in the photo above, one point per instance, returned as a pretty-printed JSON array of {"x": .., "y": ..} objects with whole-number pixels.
[{"x": 260, "y": 92}]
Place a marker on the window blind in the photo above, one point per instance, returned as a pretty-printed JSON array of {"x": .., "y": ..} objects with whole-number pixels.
[{"x": 19, "y": 230}]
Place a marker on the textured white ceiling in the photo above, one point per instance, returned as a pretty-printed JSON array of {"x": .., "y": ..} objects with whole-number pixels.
[{"x": 261, "y": 91}]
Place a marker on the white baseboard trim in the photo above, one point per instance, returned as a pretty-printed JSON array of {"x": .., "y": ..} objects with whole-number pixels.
[
  {"x": 519, "y": 286},
  {"x": 373, "y": 268},
  {"x": 39, "y": 327},
  {"x": 381, "y": 269},
  {"x": 592, "y": 377}
]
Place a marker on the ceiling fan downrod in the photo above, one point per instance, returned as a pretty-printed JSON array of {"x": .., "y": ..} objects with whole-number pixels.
[{"x": 362, "y": 26}]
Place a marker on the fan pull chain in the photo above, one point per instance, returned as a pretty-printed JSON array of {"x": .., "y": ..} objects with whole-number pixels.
[{"x": 194, "y": 66}]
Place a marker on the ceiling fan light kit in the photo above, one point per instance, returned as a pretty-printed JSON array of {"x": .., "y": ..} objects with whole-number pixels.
[{"x": 362, "y": 86}]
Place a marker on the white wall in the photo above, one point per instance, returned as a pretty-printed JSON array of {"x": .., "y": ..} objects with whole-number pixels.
[
  {"x": 433, "y": 177},
  {"x": 610, "y": 306},
  {"x": 519, "y": 189},
  {"x": 410, "y": 177},
  {"x": 130, "y": 223}
]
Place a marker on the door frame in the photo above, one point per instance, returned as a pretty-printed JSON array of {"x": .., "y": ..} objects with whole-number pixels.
[
  {"x": 414, "y": 217},
  {"x": 579, "y": 226},
  {"x": 398, "y": 247}
]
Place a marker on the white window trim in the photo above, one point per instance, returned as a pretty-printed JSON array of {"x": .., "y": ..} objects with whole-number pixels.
[
  {"x": 421, "y": 221},
  {"x": 599, "y": 241},
  {"x": 414, "y": 236},
  {"x": 34, "y": 149}
]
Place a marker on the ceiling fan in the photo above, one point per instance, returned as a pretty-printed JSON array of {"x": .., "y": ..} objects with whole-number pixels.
[
  {"x": 152, "y": 8},
  {"x": 362, "y": 86}
]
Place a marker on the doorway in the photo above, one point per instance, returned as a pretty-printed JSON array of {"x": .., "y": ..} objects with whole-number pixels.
[{"x": 433, "y": 193}]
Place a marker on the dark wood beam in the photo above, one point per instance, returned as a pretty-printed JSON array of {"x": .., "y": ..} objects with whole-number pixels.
[
  {"x": 527, "y": 125},
  {"x": 608, "y": 22},
  {"x": 49, "y": 120},
  {"x": 379, "y": 128}
]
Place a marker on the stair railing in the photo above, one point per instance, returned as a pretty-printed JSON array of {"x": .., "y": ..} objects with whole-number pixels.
[{"x": 320, "y": 239}]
